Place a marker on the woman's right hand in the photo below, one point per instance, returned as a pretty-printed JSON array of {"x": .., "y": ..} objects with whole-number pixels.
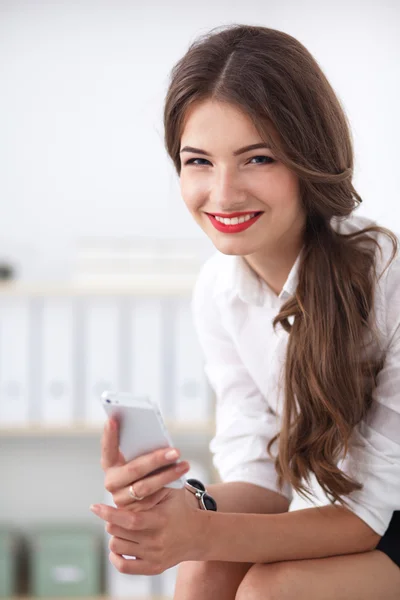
[{"x": 120, "y": 475}]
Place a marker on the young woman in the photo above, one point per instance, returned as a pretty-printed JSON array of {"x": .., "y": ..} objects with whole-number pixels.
[{"x": 298, "y": 314}]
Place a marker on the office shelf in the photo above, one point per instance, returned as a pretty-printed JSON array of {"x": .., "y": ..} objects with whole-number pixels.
[
  {"x": 77, "y": 430},
  {"x": 160, "y": 285}
]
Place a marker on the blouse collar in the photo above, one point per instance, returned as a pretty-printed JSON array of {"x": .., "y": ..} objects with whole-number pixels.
[{"x": 237, "y": 279}]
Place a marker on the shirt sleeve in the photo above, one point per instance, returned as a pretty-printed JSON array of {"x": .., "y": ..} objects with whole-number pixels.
[
  {"x": 374, "y": 454},
  {"x": 244, "y": 423}
]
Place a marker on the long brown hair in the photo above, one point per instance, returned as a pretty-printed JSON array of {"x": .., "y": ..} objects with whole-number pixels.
[{"x": 274, "y": 79}]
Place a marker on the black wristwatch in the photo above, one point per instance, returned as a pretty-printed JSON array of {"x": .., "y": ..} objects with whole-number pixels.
[{"x": 206, "y": 501}]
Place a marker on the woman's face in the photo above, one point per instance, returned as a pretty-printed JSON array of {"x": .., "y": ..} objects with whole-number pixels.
[{"x": 219, "y": 178}]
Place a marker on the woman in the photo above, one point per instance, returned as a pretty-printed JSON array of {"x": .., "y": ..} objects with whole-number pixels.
[{"x": 298, "y": 316}]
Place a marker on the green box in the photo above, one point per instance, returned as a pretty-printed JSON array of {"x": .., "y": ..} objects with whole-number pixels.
[
  {"x": 65, "y": 561},
  {"x": 8, "y": 562}
]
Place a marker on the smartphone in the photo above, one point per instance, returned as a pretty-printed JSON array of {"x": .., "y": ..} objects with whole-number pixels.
[{"x": 141, "y": 427}]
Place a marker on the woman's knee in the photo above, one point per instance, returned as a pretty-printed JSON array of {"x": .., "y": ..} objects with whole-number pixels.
[
  {"x": 197, "y": 578},
  {"x": 267, "y": 582}
]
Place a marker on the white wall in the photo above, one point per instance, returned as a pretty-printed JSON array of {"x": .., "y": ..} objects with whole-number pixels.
[{"x": 82, "y": 88}]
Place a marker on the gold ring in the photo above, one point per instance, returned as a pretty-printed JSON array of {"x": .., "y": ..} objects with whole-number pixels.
[{"x": 133, "y": 495}]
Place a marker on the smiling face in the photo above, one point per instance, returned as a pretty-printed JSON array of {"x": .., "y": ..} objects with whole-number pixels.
[{"x": 216, "y": 179}]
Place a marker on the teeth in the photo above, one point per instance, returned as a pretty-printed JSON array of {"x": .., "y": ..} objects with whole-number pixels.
[{"x": 235, "y": 220}]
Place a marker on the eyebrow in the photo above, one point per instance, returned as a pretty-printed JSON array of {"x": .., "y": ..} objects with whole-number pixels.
[{"x": 236, "y": 153}]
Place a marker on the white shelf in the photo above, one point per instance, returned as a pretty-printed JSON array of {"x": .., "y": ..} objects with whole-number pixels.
[
  {"x": 139, "y": 285},
  {"x": 174, "y": 427}
]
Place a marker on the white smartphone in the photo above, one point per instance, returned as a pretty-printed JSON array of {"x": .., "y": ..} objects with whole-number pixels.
[{"x": 141, "y": 427}]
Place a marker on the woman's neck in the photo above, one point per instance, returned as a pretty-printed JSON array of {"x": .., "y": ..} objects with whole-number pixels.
[{"x": 274, "y": 268}]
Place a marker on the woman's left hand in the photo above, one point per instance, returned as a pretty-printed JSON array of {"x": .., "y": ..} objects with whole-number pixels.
[{"x": 169, "y": 533}]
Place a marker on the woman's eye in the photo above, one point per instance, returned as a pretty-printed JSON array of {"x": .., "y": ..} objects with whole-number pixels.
[
  {"x": 267, "y": 158},
  {"x": 192, "y": 161}
]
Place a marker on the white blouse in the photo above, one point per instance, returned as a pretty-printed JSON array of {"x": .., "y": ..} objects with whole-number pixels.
[{"x": 233, "y": 311}]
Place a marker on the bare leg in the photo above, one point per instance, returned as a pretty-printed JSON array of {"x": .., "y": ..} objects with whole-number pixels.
[
  {"x": 364, "y": 576},
  {"x": 211, "y": 579}
]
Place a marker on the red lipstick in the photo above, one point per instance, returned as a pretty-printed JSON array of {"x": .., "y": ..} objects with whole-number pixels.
[{"x": 233, "y": 228}]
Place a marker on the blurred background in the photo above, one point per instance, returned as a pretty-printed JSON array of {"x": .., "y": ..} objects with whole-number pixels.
[{"x": 98, "y": 254}]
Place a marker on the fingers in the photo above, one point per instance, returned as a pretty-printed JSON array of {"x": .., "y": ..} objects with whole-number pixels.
[
  {"x": 137, "y": 469},
  {"x": 151, "y": 485},
  {"x": 125, "y": 518},
  {"x": 110, "y": 453},
  {"x": 120, "y": 532},
  {"x": 122, "y": 546},
  {"x": 134, "y": 567},
  {"x": 145, "y": 504}
]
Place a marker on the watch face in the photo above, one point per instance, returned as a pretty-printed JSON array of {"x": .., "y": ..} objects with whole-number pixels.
[
  {"x": 209, "y": 502},
  {"x": 206, "y": 501},
  {"x": 197, "y": 484}
]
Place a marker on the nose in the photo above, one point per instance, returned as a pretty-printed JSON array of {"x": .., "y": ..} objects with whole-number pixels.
[{"x": 226, "y": 193}]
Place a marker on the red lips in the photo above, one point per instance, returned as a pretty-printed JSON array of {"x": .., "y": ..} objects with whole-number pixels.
[{"x": 233, "y": 228}]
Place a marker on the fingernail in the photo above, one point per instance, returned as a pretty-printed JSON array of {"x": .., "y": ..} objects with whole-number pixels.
[
  {"x": 171, "y": 454},
  {"x": 181, "y": 467},
  {"x": 95, "y": 508}
]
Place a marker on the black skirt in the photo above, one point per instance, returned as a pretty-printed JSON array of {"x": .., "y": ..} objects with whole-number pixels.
[{"x": 390, "y": 541}]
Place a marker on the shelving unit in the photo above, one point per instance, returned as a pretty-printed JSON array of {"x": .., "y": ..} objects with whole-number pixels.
[
  {"x": 136, "y": 287},
  {"x": 161, "y": 285},
  {"x": 78, "y": 430},
  {"x": 52, "y": 472}
]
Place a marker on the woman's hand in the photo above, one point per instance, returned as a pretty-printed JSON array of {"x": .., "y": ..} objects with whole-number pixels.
[
  {"x": 167, "y": 534},
  {"x": 120, "y": 475}
]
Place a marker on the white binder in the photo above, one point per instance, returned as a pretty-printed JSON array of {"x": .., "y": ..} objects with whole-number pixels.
[
  {"x": 14, "y": 361},
  {"x": 57, "y": 382},
  {"x": 192, "y": 393},
  {"x": 146, "y": 374},
  {"x": 101, "y": 338}
]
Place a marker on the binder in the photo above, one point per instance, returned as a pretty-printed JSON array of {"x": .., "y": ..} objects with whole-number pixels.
[
  {"x": 102, "y": 357},
  {"x": 57, "y": 382},
  {"x": 15, "y": 343},
  {"x": 192, "y": 395},
  {"x": 146, "y": 372}
]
